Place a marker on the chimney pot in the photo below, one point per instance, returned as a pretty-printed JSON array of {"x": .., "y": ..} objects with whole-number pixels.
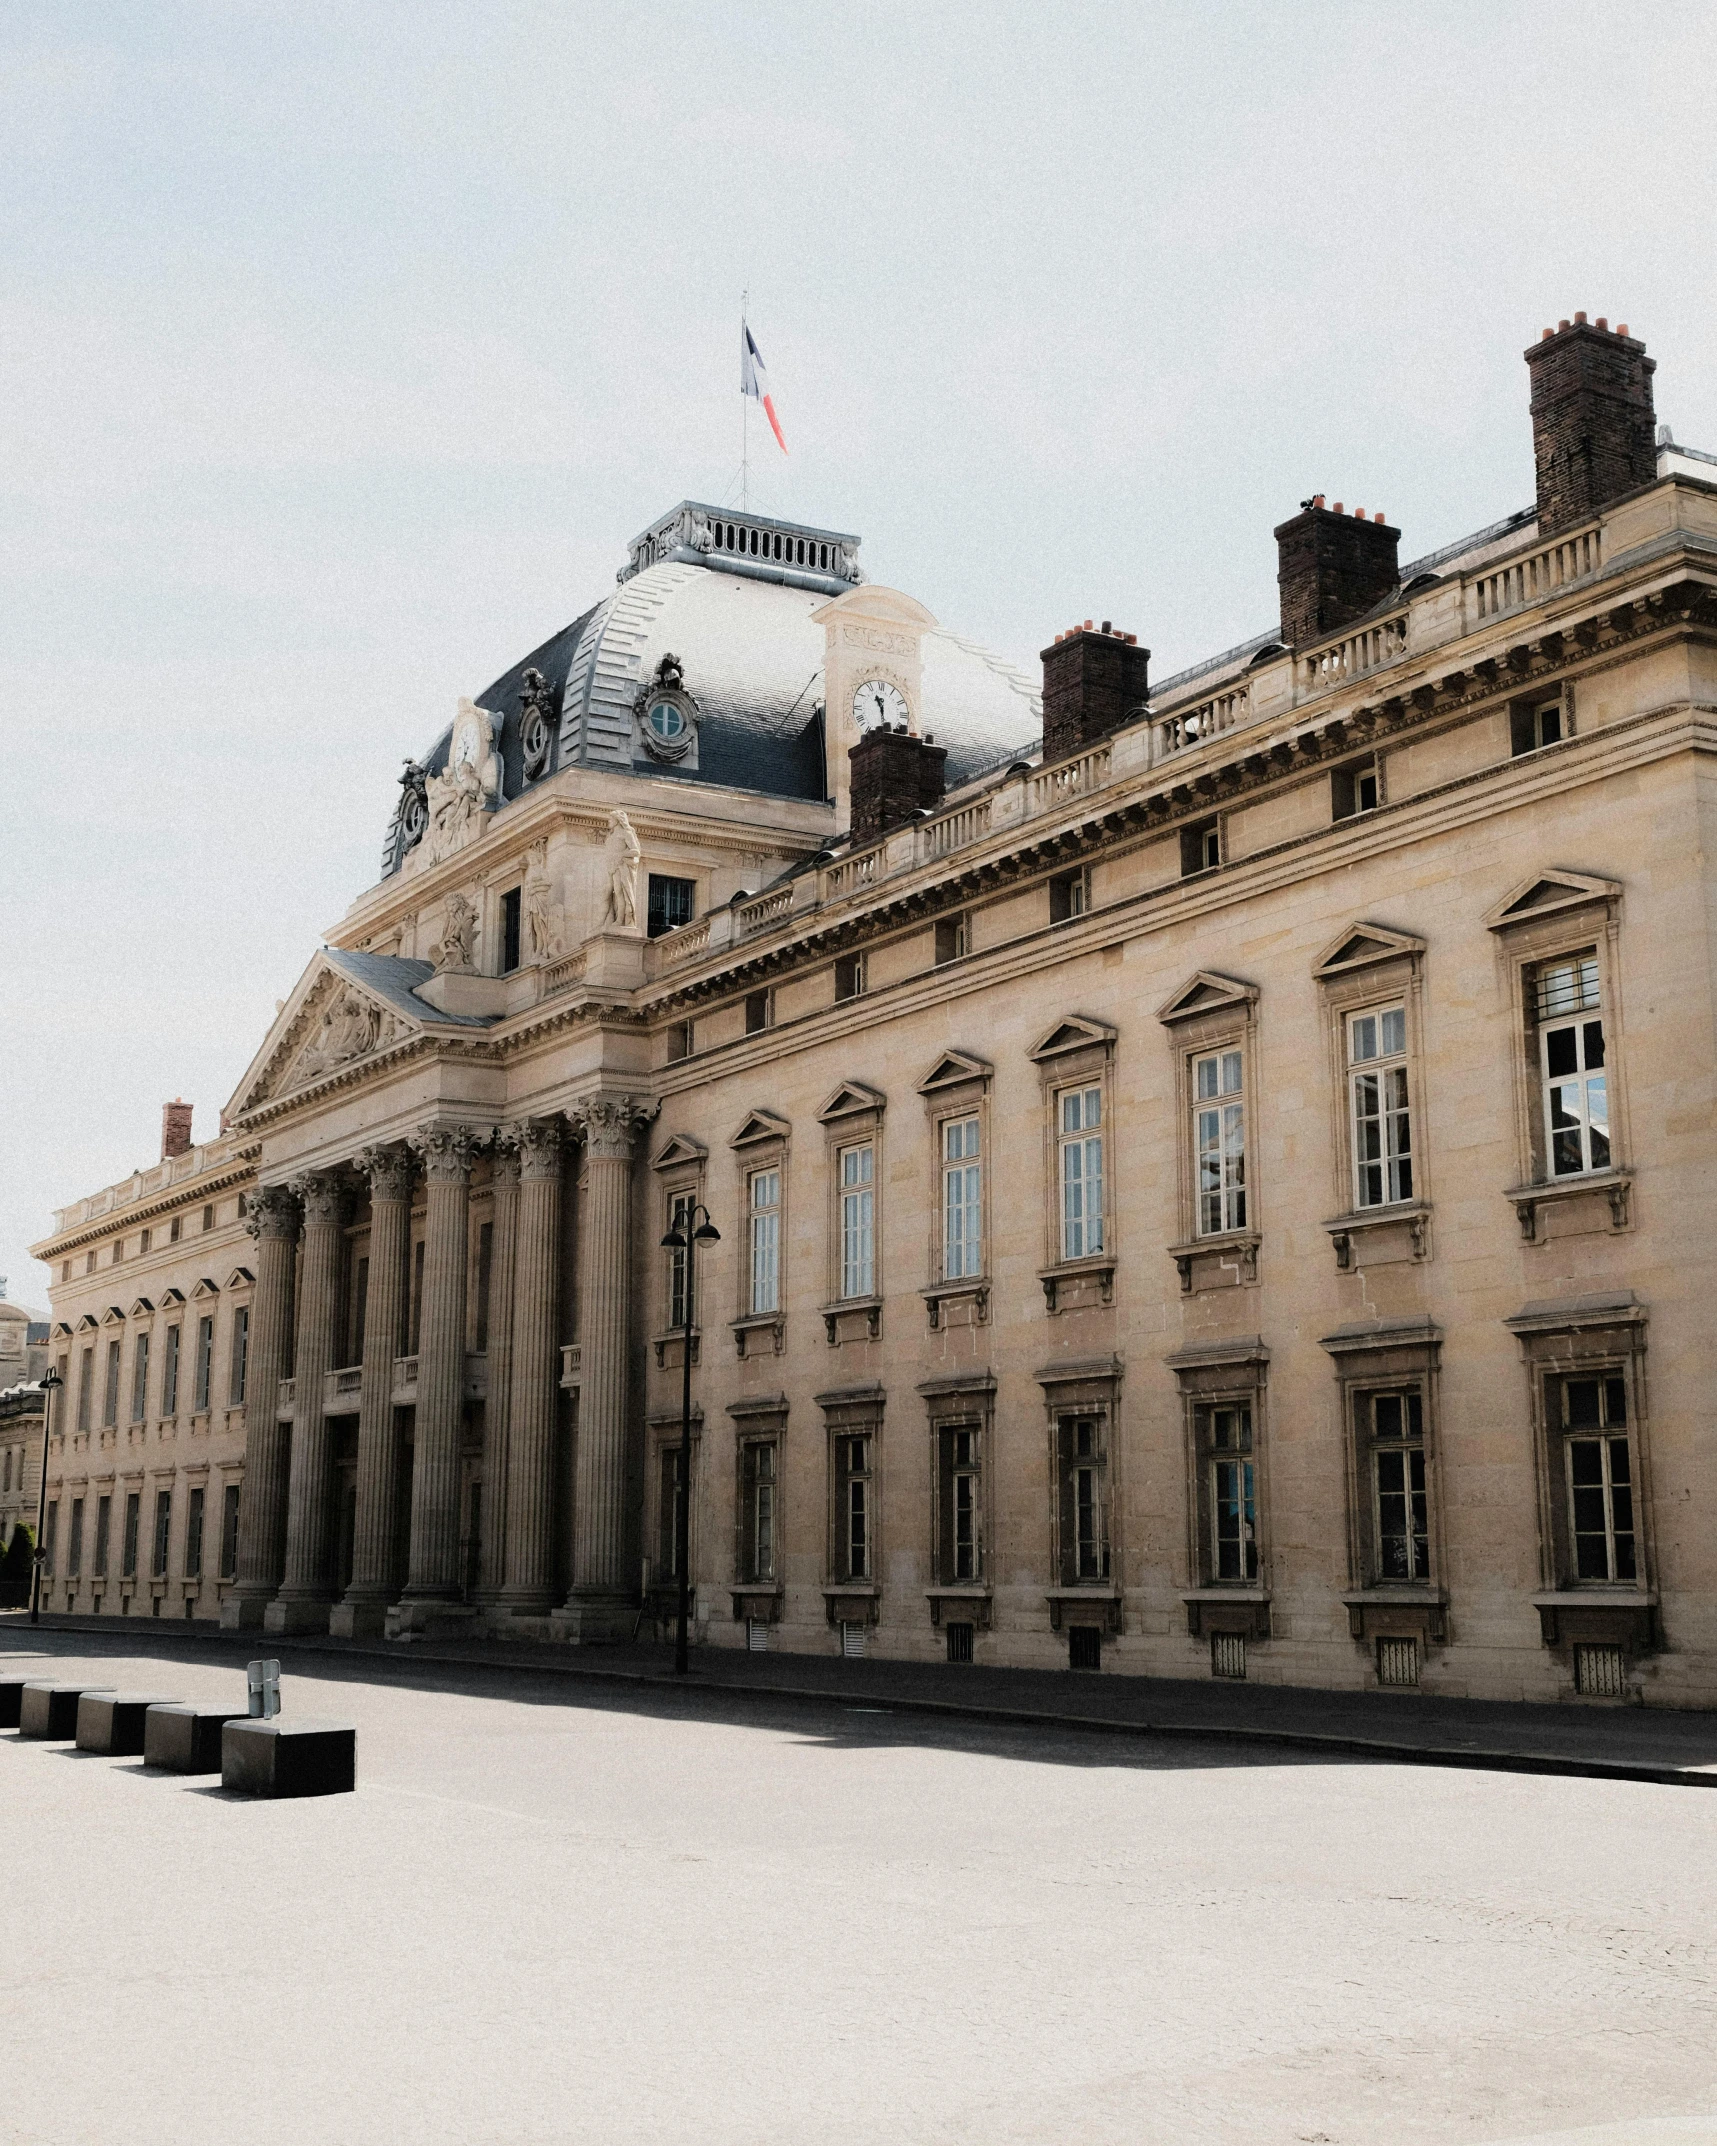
[
  {"x": 1560, "y": 325},
  {"x": 1579, "y": 320},
  {"x": 1602, "y": 322},
  {"x": 1548, "y": 333},
  {"x": 1622, "y": 328},
  {"x": 1338, "y": 508},
  {"x": 1087, "y": 626},
  {"x": 1106, "y": 626}
]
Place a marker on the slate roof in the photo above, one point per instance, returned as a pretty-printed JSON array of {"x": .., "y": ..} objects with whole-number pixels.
[{"x": 394, "y": 980}]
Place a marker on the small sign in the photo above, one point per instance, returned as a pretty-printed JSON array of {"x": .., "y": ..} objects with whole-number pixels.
[{"x": 264, "y": 1679}]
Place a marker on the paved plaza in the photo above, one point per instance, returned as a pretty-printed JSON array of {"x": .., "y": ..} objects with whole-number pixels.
[{"x": 558, "y": 1910}]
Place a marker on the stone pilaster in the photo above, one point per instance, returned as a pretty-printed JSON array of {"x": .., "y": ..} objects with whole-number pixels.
[
  {"x": 362, "y": 1611},
  {"x": 604, "y": 1590},
  {"x": 272, "y": 1218},
  {"x": 432, "y": 1590},
  {"x": 536, "y": 1374},
  {"x": 306, "y": 1587},
  {"x": 497, "y": 1408}
]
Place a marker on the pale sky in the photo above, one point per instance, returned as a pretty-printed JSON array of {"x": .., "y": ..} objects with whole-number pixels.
[{"x": 343, "y": 347}]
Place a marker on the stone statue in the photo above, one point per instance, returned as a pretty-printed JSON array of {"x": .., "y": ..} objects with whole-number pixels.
[
  {"x": 458, "y": 947},
  {"x": 624, "y": 852},
  {"x": 351, "y": 1027},
  {"x": 545, "y": 919}
]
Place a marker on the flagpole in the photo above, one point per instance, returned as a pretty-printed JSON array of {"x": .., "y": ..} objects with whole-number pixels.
[{"x": 744, "y": 416}]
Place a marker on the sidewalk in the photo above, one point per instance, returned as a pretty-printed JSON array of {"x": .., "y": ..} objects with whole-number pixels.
[{"x": 1596, "y": 1742}]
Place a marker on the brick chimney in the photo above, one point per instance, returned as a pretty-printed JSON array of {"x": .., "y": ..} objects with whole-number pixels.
[
  {"x": 175, "y": 1128},
  {"x": 1594, "y": 430},
  {"x": 895, "y": 776},
  {"x": 1094, "y": 682},
  {"x": 1331, "y": 568}
]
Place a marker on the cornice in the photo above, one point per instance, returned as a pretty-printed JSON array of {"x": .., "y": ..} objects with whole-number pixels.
[{"x": 238, "y": 1169}]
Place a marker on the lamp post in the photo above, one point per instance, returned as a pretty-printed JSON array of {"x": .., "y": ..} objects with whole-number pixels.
[
  {"x": 51, "y": 1382},
  {"x": 685, "y": 1236}
]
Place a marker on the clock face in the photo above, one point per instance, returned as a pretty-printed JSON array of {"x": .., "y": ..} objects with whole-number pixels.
[
  {"x": 467, "y": 745},
  {"x": 876, "y": 701}
]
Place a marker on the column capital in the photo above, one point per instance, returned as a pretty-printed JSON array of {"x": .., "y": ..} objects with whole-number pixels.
[
  {"x": 326, "y": 1196},
  {"x": 446, "y": 1151},
  {"x": 273, "y": 1211},
  {"x": 504, "y": 1154},
  {"x": 389, "y": 1170},
  {"x": 539, "y": 1146},
  {"x": 610, "y": 1124}
]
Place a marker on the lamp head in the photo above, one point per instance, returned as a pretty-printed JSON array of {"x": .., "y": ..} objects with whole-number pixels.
[
  {"x": 674, "y": 1241},
  {"x": 707, "y": 1233}
]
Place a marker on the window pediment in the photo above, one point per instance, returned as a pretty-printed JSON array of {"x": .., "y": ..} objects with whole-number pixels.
[
  {"x": 1207, "y": 991},
  {"x": 170, "y": 1298},
  {"x": 760, "y": 1126},
  {"x": 850, "y": 1100},
  {"x": 62, "y": 1330},
  {"x": 205, "y": 1288},
  {"x": 1075, "y": 1033},
  {"x": 1363, "y": 945},
  {"x": 89, "y": 1323},
  {"x": 678, "y": 1151},
  {"x": 142, "y": 1308},
  {"x": 113, "y": 1316},
  {"x": 952, "y": 1070},
  {"x": 1547, "y": 894},
  {"x": 241, "y": 1278}
]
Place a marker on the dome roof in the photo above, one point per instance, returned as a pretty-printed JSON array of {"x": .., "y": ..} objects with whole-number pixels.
[{"x": 732, "y": 601}]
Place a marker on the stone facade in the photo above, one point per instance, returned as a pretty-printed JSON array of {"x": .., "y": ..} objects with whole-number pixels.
[{"x": 1233, "y": 1199}]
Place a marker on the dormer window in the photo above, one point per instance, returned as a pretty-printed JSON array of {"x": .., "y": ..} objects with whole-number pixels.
[{"x": 667, "y": 722}]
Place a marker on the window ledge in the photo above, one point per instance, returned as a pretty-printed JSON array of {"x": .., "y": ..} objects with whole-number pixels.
[
  {"x": 1397, "y": 1591},
  {"x": 756, "y": 1601},
  {"x": 973, "y": 1289},
  {"x": 1098, "y": 1267},
  {"x": 1601, "y": 1614},
  {"x": 975, "y": 1594},
  {"x": 1102, "y": 1596},
  {"x": 759, "y": 1323},
  {"x": 1414, "y": 1214},
  {"x": 1597, "y": 1595},
  {"x": 1615, "y": 1185},
  {"x": 1236, "y": 1608},
  {"x": 1241, "y": 1244},
  {"x": 661, "y": 1343},
  {"x": 1396, "y": 1609},
  {"x": 867, "y": 1308},
  {"x": 841, "y": 1598}
]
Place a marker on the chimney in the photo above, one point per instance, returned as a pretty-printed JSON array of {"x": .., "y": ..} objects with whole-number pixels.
[
  {"x": 175, "y": 1128},
  {"x": 895, "y": 776},
  {"x": 1331, "y": 568},
  {"x": 1594, "y": 431},
  {"x": 1093, "y": 683}
]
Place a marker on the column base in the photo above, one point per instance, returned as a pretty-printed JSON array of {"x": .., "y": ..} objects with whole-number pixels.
[
  {"x": 358, "y": 1617},
  {"x": 428, "y": 1620},
  {"x": 297, "y": 1613},
  {"x": 239, "y": 1612},
  {"x": 594, "y": 1617}
]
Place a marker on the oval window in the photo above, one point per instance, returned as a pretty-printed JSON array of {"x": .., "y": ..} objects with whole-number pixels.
[{"x": 667, "y": 721}]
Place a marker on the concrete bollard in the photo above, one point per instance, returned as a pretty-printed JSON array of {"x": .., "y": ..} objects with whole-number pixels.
[
  {"x": 186, "y": 1739},
  {"x": 289, "y": 1758},
  {"x": 112, "y": 1721},
  {"x": 50, "y": 1711},
  {"x": 11, "y": 1697}
]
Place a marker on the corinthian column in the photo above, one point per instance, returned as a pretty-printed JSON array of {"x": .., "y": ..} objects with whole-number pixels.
[
  {"x": 306, "y": 1588},
  {"x": 272, "y": 1217},
  {"x": 432, "y": 1583},
  {"x": 497, "y": 1406},
  {"x": 362, "y": 1611},
  {"x": 536, "y": 1374},
  {"x": 603, "y": 1588}
]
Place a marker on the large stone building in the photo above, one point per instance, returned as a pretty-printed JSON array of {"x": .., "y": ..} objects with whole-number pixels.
[{"x": 1223, "y": 1187}]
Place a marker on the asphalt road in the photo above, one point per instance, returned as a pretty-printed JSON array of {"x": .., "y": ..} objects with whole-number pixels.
[{"x": 555, "y": 1913}]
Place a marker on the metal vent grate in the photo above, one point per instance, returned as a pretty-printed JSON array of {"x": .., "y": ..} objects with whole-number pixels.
[
  {"x": 1228, "y": 1654},
  {"x": 756, "y": 1635},
  {"x": 852, "y": 1640},
  {"x": 1398, "y": 1662},
  {"x": 1600, "y": 1673},
  {"x": 1084, "y": 1647},
  {"x": 959, "y": 1643}
]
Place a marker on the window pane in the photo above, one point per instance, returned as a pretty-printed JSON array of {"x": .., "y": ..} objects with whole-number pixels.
[
  {"x": 1394, "y": 1030},
  {"x": 1364, "y": 1031}
]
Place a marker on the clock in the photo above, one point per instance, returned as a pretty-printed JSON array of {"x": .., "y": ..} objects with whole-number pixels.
[{"x": 877, "y": 702}]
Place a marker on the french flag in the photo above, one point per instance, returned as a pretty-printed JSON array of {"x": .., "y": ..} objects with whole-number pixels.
[{"x": 754, "y": 381}]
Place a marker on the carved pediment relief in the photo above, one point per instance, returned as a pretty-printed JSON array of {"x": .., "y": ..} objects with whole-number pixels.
[
  {"x": 760, "y": 1125},
  {"x": 330, "y": 1022},
  {"x": 1546, "y": 892},
  {"x": 1207, "y": 991},
  {"x": 1075, "y": 1033},
  {"x": 1361, "y": 945},
  {"x": 851, "y": 1097}
]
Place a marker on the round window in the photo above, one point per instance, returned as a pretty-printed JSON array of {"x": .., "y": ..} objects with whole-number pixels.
[{"x": 667, "y": 721}]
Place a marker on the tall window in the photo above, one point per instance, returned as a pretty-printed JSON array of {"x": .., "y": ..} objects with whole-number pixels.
[
  {"x": 765, "y": 1203},
  {"x": 672, "y": 902},
  {"x": 74, "y": 1547},
  {"x": 858, "y": 1221},
  {"x": 1594, "y": 1418},
  {"x": 962, "y": 1200},
  {"x": 853, "y": 1508},
  {"x": 86, "y": 1383},
  {"x": 133, "y": 1511},
  {"x": 510, "y": 930},
  {"x": 229, "y": 1531},
  {"x": 1219, "y": 1142},
  {"x": 1377, "y": 1095},
  {"x": 205, "y": 1363},
  {"x": 103, "y": 1534},
  {"x": 960, "y": 1547},
  {"x": 1571, "y": 1060},
  {"x": 1402, "y": 1511},
  {"x": 673, "y": 1492},
  {"x": 679, "y": 1211},
  {"x": 1081, "y": 1137},
  {"x": 110, "y": 1395},
  {"x": 1084, "y": 1532},
  {"x": 170, "y": 1374},
  {"x": 194, "y": 1535},
  {"x": 757, "y": 1484},
  {"x": 1233, "y": 1492},
  {"x": 163, "y": 1529},
  {"x": 140, "y": 1379},
  {"x": 241, "y": 1356}
]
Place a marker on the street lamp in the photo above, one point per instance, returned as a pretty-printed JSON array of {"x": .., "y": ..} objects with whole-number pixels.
[
  {"x": 50, "y": 1383},
  {"x": 685, "y": 1236}
]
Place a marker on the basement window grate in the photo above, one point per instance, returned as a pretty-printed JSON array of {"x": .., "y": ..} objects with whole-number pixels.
[
  {"x": 959, "y": 1643},
  {"x": 1398, "y": 1663},
  {"x": 852, "y": 1641},
  {"x": 1228, "y": 1654},
  {"x": 1600, "y": 1673},
  {"x": 756, "y": 1636}
]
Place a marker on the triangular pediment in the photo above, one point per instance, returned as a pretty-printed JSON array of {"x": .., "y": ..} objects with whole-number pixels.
[
  {"x": 142, "y": 1308},
  {"x": 113, "y": 1316},
  {"x": 241, "y": 1278},
  {"x": 674, "y": 1153},
  {"x": 1207, "y": 991},
  {"x": 205, "y": 1288},
  {"x": 62, "y": 1330},
  {"x": 759, "y": 1126},
  {"x": 851, "y": 1097},
  {"x": 1076, "y": 1032},
  {"x": 336, "y": 1018},
  {"x": 170, "y": 1297},
  {"x": 1361, "y": 945},
  {"x": 1547, "y": 892},
  {"x": 952, "y": 1070},
  {"x": 88, "y": 1323}
]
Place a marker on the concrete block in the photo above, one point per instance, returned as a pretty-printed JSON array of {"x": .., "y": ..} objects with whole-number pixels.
[
  {"x": 11, "y": 1697},
  {"x": 112, "y": 1721},
  {"x": 50, "y": 1711},
  {"x": 186, "y": 1739},
  {"x": 289, "y": 1758}
]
